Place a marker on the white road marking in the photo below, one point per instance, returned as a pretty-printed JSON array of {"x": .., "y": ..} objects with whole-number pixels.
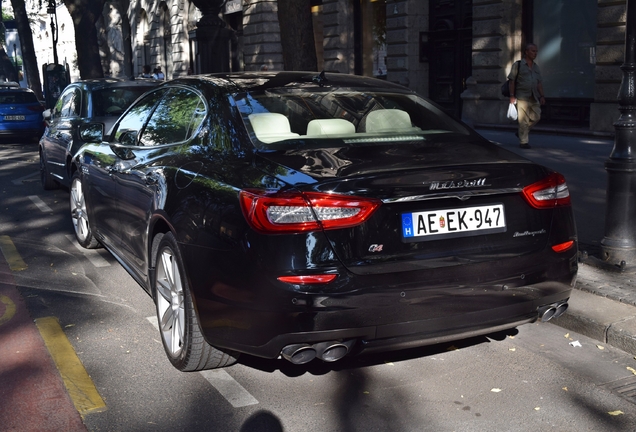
[
  {"x": 223, "y": 382},
  {"x": 19, "y": 181},
  {"x": 91, "y": 254},
  {"x": 40, "y": 204},
  {"x": 229, "y": 388}
]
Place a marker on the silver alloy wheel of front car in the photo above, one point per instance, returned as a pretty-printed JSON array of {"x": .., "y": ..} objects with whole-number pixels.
[
  {"x": 79, "y": 215},
  {"x": 78, "y": 210},
  {"x": 170, "y": 302}
]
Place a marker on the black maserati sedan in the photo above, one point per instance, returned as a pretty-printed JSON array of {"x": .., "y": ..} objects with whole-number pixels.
[{"x": 304, "y": 215}]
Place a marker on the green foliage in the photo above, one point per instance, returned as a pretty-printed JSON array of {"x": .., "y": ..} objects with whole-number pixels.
[{"x": 6, "y": 16}]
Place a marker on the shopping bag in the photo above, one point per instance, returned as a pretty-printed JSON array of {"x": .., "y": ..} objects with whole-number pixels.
[{"x": 512, "y": 112}]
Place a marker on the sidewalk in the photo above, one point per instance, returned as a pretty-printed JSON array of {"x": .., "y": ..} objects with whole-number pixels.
[{"x": 603, "y": 303}]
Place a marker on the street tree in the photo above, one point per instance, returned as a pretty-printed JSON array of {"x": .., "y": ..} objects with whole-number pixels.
[
  {"x": 85, "y": 14},
  {"x": 123, "y": 6},
  {"x": 297, "y": 35},
  {"x": 28, "y": 51}
]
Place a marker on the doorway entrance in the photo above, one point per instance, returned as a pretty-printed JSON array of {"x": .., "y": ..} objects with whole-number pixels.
[{"x": 450, "y": 51}]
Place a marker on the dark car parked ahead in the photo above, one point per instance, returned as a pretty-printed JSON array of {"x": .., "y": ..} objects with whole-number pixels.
[
  {"x": 313, "y": 216},
  {"x": 96, "y": 100},
  {"x": 20, "y": 113}
]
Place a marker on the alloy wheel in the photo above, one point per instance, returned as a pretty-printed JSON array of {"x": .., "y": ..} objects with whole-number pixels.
[{"x": 170, "y": 302}]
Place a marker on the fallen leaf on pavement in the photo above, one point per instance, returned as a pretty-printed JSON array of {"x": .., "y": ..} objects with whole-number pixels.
[
  {"x": 632, "y": 370},
  {"x": 615, "y": 413},
  {"x": 537, "y": 408},
  {"x": 512, "y": 349},
  {"x": 495, "y": 390},
  {"x": 567, "y": 335},
  {"x": 601, "y": 347},
  {"x": 565, "y": 388}
]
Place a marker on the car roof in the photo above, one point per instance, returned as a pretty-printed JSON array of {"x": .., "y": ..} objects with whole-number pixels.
[
  {"x": 8, "y": 90},
  {"x": 9, "y": 84},
  {"x": 97, "y": 83},
  {"x": 248, "y": 81}
]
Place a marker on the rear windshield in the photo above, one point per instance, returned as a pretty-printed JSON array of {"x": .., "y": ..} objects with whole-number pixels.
[
  {"x": 17, "y": 98},
  {"x": 111, "y": 102},
  {"x": 283, "y": 117}
]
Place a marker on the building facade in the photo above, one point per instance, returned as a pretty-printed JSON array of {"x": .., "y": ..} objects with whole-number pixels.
[{"x": 457, "y": 52}]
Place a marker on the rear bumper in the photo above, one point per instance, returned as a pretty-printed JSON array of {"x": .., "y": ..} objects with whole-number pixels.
[
  {"x": 386, "y": 312},
  {"x": 27, "y": 131},
  {"x": 403, "y": 335}
]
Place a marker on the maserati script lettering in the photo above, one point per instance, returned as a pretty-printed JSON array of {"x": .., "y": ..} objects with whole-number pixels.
[
  {"x": 529, "y": 233},
  {"x": 459, "y": 184}
]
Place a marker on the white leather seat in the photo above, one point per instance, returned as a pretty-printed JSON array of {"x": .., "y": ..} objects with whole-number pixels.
[
  {"x": 329, "y": 127},
  {"x": 271, "y": 127},
  {"x": 389, "y": 120}
]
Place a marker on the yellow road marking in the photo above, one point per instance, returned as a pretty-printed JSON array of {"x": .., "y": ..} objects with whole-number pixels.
[
  {"x": 78, "y": 383},
  {"x": 11, "y": 254},
  {"x": 9, "y": 309}
]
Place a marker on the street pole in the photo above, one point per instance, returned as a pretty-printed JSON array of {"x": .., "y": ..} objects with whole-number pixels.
[
  {"x": 52, "y": 10},
  {"x": 618, "y": 247}
]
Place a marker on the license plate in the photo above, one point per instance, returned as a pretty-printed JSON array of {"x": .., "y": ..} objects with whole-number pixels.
[
  {"x": 14, "y": 117},
  {"x": 448, "y": 223}
]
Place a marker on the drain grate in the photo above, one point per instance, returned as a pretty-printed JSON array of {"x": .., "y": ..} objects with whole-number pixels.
[{"x": 625, "y": 387}]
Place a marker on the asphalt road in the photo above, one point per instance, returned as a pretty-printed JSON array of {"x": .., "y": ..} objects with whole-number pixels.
[{"x": 529, "y": 379}]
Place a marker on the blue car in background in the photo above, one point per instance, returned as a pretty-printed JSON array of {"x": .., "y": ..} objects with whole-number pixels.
[{"x": 20, "y": 113}]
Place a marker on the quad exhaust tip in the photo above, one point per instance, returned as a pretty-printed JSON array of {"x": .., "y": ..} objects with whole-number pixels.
[
  {"x": 328, "y": 351},
  {"x": 554, "y": 310}
]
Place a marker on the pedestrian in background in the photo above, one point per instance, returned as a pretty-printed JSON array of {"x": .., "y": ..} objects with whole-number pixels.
[
  {"x": 526, "y": 90},
  {"x": 146, "y": 72},
  {"x": 157, "y": 74}
]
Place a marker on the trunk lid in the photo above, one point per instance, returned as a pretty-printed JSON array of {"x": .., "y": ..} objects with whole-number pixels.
[{"x": 445, "y": 204}]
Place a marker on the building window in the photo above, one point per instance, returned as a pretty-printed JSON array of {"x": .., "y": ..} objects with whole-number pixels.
[{"x": 565, "y": 32}]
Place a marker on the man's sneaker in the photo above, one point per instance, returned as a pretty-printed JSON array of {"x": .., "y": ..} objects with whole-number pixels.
[{"x": 525, "y": 146}]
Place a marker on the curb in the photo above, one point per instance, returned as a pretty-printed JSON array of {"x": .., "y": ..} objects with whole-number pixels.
[
  {"x": 603, "y": 305},
  {"x": 602, "y": 319}
]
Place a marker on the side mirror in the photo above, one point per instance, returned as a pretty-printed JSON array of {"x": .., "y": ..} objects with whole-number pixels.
[{"x": 92, "y": 132}]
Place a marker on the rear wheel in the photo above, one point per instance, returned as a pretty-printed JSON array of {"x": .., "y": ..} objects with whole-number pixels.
[
  {"x": 178, "y": 324},
  {"x": 83, "y": 231},
  {"x": 47, "y": 180}
]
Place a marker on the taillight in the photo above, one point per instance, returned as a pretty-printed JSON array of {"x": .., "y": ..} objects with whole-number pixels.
[
  {"x": 562, "y": 247},
  {"x": 308, "y": 279},
  {"x": 550, "y": 192},
  {"x": 288, "y": 212}
]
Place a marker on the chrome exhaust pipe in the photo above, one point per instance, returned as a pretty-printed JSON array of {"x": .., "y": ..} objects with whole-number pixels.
[
  {"x": 333, "y": 350},
  {"x": 554, "y": 310},
  {"x": 560, "y": 309},
  {"x": 298, "y": 353},
  {"x": 546, "y": 313}
]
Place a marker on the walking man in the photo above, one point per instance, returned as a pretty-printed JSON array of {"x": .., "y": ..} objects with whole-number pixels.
[{"x": 526, "y": 90}]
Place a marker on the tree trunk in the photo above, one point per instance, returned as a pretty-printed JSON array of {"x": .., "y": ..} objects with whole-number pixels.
[
  {"x": 28, "y": 51},
  {"x": 297, "y": 35},
  {"x": 122, "y": 6},
  {"x": 85, "y": 14}
]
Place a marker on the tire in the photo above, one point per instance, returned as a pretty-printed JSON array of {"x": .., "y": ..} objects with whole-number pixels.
[
  {"x": 181, "y": 335},
  {"x": 79, "y": 215},
  {"x": 47, "y": 180}
]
